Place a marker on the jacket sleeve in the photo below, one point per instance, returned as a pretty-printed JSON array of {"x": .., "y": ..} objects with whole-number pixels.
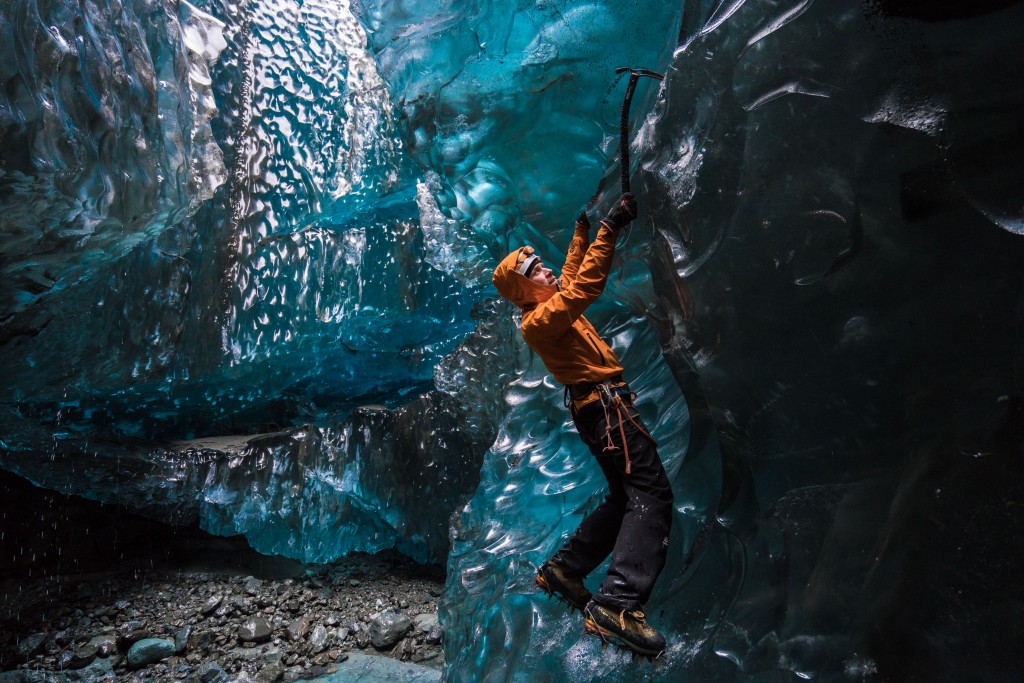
[
  {"x": 577, "y": 249},
  {"x": 556, "y": 315}
]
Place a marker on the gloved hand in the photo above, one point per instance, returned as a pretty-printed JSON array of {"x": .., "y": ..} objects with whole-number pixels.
[
  {"x": 622, "y": 213},
  {"x": 582, "y": 222}
]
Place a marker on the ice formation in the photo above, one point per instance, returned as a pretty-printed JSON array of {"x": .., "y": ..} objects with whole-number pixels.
[{"x": 245, "y": 272}]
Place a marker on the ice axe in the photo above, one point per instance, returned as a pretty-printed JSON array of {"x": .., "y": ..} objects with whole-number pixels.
[{"x": 634, "y": 76}]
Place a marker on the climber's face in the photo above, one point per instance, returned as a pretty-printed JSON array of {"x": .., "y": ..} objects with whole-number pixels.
[{"x": 541, "y": 275}]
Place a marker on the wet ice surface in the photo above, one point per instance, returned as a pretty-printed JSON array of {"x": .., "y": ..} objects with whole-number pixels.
[
  {"x": 827, "y": 267},
  {"x": 270, "y": 278}
]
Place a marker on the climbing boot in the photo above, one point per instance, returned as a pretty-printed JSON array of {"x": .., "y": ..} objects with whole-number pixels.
[
  {"x": 554, "y": 581},
  {"x": 625, "y": 629}
]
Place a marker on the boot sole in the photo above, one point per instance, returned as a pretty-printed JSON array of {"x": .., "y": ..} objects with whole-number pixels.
[
  {"x": 591, "y": 628},
  {"x": 543, "y": 585}
]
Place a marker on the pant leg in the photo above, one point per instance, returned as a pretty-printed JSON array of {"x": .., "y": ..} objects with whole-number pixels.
[
  {"x": 595, "y": 537},
  {"x": 641, "y": 546}
]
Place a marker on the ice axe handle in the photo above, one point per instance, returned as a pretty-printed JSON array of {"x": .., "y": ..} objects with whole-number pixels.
[{"x": 634, "y": 76}]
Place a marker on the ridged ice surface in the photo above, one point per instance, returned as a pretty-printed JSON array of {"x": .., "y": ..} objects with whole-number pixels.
[
  {"x": 376, "y": 479},
  {"x": 244, "y": 272},
  {"x": 241, "y": 256},
  {"x": 75, "y": 189}
]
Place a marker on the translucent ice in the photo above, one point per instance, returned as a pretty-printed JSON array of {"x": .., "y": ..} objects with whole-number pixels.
[{"x": 276, "y": 220}]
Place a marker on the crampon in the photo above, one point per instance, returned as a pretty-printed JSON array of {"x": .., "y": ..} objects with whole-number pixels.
[
  {"x": 608, "y": 636},
  {"x": 551, "y": 581}
]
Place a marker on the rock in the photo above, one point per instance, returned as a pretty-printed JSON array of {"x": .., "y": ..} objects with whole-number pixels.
[
  {"x": 255, "y": 629},
  {"x": 318, "y": 638},
  {"x": 148, "y": 651},
  {"x": 131, "y": 633},
  {"x": 252, "y": 585},
  {"x": 211, "y": 604},
  {"x": 29, "y": 646},
  {"x": 64, "y": 659},
  {"x": 212, "y": 672},
  {"x": 101, "y": 670},
  {"x": 298, "y": 629},
  {"x": 181, "y": 639},
  {"x": 200, "y": 640},
  {"x": 405, "y": 649},
  {"x": 435, "y": 636},
  {"x": 353, "y": 582},
  {"x": 246, "y": 653},
  {"x": 342, "y": 634},
  {"x": 106, "y": 645},
  {"x": 425, "y": 622},
  {"x": 83, "y": 656},
  {"x": 387, "y": 628},
  {"x": 270, "y": 673}
]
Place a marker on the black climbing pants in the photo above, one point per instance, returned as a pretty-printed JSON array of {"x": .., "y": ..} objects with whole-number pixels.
[{"x": 633, "y": 522}]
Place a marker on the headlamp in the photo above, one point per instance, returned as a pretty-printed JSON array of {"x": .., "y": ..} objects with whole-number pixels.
[{"x": 528, "y": 259}]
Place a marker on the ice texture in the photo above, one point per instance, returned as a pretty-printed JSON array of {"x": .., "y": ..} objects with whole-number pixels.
[
  {"x": 375, "y": 479},
  {"x": 74, "y": 187},
  {"x": 210, "y": 229},
  {"x": 829, "y": 249},
  {"x": 246, "y": 250}
]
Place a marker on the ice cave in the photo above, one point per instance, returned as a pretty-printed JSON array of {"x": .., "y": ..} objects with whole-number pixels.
[{"x": 245, "y": 292}]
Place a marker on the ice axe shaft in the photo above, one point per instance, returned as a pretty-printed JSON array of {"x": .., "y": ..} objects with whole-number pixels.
[{"x": 634, "y": 76}]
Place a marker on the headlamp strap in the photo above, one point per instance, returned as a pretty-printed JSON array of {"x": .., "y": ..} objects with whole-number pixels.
[{"x": 524, "y": 268}]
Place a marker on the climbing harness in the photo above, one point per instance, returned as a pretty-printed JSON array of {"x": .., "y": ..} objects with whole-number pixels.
[{"x": 613, "y": 397}]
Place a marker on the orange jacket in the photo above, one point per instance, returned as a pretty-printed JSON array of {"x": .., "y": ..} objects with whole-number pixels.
[{"x": 553, "y": 323}]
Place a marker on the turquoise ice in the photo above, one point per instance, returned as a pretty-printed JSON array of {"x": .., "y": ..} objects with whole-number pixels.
[{"x": 245, "y": 280}]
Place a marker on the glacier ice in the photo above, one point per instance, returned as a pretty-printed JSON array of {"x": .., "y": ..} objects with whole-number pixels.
[
  {"x": 244, "y": 280},
  {"x": 253, "y": 266}
]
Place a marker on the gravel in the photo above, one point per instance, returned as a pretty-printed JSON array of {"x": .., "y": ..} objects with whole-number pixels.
[{"x": 196, "y": 625}]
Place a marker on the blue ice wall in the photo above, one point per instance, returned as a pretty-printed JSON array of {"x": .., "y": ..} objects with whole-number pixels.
[
  {"x": 245, "y": 260},
  {"x": 811, "y": 176},
  {"x": 211, "y": 230}
]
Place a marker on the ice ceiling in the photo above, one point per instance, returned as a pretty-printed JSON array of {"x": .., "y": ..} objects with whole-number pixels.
[{"x": 243, "y": 281}]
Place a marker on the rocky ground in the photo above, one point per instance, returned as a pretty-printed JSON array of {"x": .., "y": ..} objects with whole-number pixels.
[{"x": 224, "y": 614}]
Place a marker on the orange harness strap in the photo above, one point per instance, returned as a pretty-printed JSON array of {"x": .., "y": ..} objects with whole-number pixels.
[{"x": 620, "y": 407}]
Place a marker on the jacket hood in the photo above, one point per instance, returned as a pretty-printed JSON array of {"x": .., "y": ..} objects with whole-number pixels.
[{"x": 519, "y": 289}]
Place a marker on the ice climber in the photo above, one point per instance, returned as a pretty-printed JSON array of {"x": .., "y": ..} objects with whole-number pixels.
[{"x": 632, "y": 523}]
